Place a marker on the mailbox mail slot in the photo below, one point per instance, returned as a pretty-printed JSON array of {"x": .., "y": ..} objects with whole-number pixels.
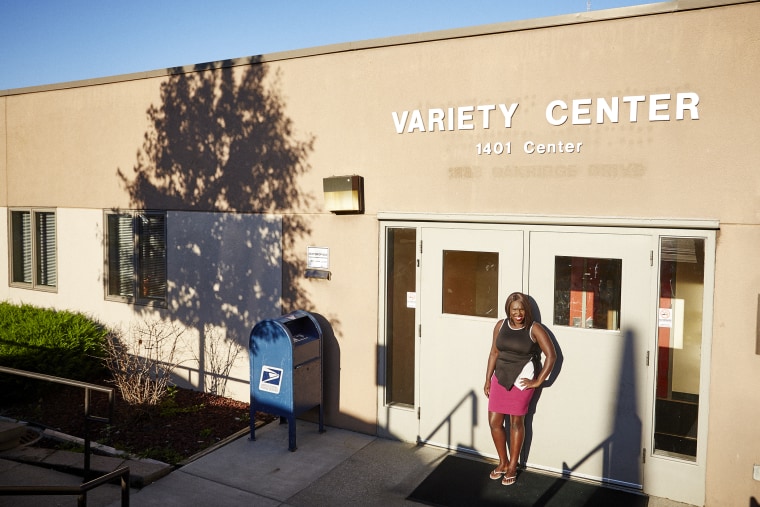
[{"x": 286, "y": 369}]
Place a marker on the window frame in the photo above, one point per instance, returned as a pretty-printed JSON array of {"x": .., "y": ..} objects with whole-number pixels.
[
  {"x": 40, "y": 265},
  {"x": 136, "y": 240}
]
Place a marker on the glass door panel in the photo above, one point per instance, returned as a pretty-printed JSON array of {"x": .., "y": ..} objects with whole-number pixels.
[
  {"x": 679, "y": 347},
  {"x": 587, "y": 292},
  {"x": 470, "y": 283},
  {"x": 400, "y": 314}
]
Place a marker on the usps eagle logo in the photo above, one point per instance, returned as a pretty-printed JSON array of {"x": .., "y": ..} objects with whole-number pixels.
[{"x": 271, "y": 379}]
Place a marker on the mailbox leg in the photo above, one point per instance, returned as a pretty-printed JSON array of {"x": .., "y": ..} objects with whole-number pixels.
[
  {"x": 321, "y": 418},
  {"x": 292, "y": 433},
  {"x": 252, "y": 421}
]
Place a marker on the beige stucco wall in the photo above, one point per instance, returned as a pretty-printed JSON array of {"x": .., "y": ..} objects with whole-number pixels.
[
  {"x": 71, "y": 143},
  {"x": 4, "y": 289},
  {"x": 349, "y": 302},
  {"x": 662, "y": 160},
  {"x": 3, "y": 153},
  {"x": 733, "y": 444},
  {"x": 3, "y": 201}
]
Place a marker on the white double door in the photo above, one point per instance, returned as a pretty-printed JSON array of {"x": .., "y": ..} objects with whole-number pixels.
[{"x": 591, "y": 419}]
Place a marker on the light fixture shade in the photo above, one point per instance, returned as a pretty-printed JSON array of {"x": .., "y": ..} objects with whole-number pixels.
[{"x": 344, "y": 194}]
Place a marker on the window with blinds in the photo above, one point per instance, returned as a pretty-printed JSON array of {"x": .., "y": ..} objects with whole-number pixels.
[
  {"x": 136, "y": 256},
  {"x": 33, "y": 259}
]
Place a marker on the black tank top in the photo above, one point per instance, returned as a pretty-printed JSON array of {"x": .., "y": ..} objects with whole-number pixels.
[{"x": 516, "y": 349}]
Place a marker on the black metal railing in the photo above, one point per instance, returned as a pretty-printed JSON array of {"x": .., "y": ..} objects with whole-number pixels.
[
  {"x": 80, "y": 491},
  {"x": 88, "y": 418}
]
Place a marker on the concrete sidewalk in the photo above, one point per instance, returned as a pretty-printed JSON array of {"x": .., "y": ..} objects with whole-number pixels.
[{"x": 337, "y": 467}]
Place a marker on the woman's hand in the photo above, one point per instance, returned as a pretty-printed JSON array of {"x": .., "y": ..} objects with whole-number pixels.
[
  {"x": 487, "y": 388},
  {"x": 529, "y": 384}
]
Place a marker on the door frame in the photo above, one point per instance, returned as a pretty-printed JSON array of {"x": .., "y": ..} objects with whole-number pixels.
[
  {"x": 395, "y": 421},
  {"x": 392, "y": 420},
  {"x": 680, "y": 471}
]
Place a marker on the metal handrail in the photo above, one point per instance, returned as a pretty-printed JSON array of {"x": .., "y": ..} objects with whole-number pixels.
[
  {"x": 88, "y": 388},
  {"x": 80, "y": 490}
]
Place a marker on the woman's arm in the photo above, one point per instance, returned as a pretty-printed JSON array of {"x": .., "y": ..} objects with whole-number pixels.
[
  {"x": 547, "y": 347},
  {"x": 492, "y": 355}
]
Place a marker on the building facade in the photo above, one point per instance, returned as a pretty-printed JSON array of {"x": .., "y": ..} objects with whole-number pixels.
[{"x": 604, "y": 163}]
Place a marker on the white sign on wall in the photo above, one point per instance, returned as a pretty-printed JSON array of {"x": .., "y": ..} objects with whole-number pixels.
[{"x": 317, "y": 257}]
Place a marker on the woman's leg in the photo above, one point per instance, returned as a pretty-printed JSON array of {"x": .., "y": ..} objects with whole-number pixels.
[
  {"x": 499, "y": 435},
  {"x": 516, "y": 439}
]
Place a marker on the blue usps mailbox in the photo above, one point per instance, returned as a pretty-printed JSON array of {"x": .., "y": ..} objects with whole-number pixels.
[{"x": 286, "y": 369}]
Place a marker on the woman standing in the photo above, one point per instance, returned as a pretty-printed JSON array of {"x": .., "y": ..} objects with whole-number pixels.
[{"x": 511, "y": 379}]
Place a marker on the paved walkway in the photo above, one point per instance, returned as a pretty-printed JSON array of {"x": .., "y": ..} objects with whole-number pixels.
[{"x": 335, "y": 468}]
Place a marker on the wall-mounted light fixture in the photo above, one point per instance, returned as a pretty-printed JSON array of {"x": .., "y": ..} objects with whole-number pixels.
[{"x": 344, "y": 194}]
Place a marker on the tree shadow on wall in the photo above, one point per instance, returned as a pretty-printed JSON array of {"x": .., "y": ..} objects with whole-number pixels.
[{"x": 223, "y": 159}]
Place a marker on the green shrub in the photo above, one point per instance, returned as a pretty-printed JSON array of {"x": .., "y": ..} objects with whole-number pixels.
[{"x": 60, "y": 343}]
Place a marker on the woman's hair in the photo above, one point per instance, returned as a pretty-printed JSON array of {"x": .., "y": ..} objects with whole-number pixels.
[{"x": 522, "y": 298}]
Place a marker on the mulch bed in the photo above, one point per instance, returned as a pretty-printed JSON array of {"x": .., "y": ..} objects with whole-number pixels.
[{"x": 183, "y": 424}]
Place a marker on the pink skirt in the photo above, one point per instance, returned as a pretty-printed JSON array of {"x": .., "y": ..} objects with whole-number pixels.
[{"x": 512, "y": 402}]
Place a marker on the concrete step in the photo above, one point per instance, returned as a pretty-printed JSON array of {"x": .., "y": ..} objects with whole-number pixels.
[
  {"x": 13, "y": 434},
  {"x": 141, "y": 471},
  {"x": 14, "y": 474},
  {"x": 17, "y": 440}
]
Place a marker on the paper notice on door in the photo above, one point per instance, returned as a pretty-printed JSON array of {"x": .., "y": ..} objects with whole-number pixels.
[
  {"x": 411, "y": 300},
  {"x": 665, "y": 317}
]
